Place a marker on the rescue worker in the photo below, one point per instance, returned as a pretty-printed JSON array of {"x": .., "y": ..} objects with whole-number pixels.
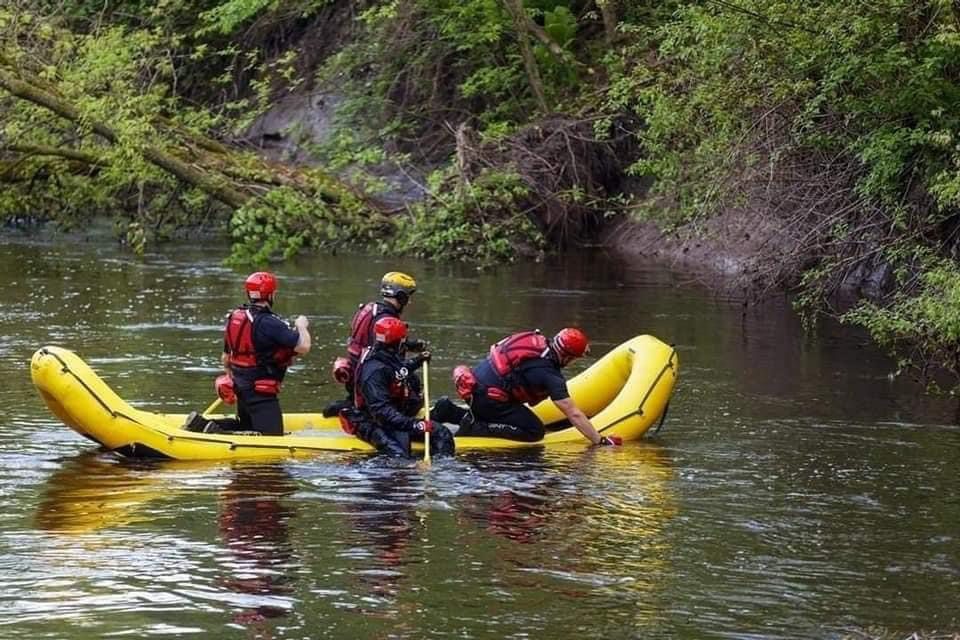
[
  {"x": 522, "y": 369},
  {"x": 258, "y": 346},
  {"x": 386, "y": 402},
  {"x": 396, "y": 291}
]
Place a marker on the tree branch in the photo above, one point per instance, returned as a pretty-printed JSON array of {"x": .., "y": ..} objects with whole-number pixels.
[
  {"x": 58, "y": 152},
  {"x": 214, "y": 186},
  {"x": 520, "y": 21}
]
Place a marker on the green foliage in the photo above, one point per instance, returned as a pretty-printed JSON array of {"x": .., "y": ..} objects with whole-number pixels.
[
  {"x": 421, "y": 62},
  {"x": 922, "y": 326},
  {"x": 226, "y": 17},
  {"x": 113, "y": 75},
  {"x": 284, "y": 222},
  {"x": 561, "y": 25},
  {"x": 477, "y": 223},
  {"x": 876, "y": 84},
  {"x": 732, "y": 90}
]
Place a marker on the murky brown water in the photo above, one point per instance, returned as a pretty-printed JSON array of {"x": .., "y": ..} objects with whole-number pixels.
[{"x": 795, "y": 491}]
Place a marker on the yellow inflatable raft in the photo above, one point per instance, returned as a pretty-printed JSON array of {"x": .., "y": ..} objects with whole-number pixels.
[{"x": 625, "y": 392}]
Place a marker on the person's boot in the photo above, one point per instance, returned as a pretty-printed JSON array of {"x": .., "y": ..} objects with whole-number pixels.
[
  {"x": 446, "y": 411},
  {"x": 466, "y": 423},
  {"x": 212, "y": 427},
  {"x": 195, "y": 422},
  {"x": 442, "y": 443}
]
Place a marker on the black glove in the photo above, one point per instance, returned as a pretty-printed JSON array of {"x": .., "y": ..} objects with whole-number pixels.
[
  {"x": 334, "y": 408},
  {"x": 416, "y": 345},
  {"x": 420, "y": 358}
]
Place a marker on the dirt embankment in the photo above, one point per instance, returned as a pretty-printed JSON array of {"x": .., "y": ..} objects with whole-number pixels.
[
  {"x": 769, "y": 228},
  {"x": 730, "y": 252}
]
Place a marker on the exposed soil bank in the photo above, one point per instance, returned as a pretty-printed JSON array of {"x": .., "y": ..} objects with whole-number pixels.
[{"x": 730, "y": 252}]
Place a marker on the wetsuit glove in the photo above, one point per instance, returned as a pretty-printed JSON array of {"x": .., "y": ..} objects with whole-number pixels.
[
  {"x": 416, "y": 345},
  {"x": 610, "y": 441},
  {"x": 417, "y": 361},
  {"x": 423, "y": 426}
]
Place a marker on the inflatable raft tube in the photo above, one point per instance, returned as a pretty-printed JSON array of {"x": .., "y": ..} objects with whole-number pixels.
[{"x": 625, "y": 392}]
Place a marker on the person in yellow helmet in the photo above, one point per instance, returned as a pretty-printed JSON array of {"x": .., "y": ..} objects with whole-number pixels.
[{"x": 396, "y": 291}]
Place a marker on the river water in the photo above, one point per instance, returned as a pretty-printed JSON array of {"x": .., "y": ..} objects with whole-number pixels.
[{"x": 796, "y": 491}]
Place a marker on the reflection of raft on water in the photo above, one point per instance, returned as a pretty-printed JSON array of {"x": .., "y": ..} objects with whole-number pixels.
[
  {"x": 91, "y": 492},
  {"x": 625, "y": 392},
  {"x": 95, "y": 491}
]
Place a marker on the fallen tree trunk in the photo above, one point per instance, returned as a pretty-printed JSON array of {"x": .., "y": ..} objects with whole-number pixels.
[
  {"x": 215, "y": 168},
  {"x": 56, "y": 152},
  {"x": 217, "y": 188}
]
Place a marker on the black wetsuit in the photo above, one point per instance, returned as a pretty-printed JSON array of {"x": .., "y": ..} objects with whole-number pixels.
[
  {"x": 540, "y": 377},
  {"x": 388, "y": 400},
  {"x": 261, "y": 411}
]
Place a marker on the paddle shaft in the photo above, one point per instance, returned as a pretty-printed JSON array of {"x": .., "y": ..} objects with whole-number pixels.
[
  {"x": 426, "y": 410},
  {"x": 213, "y": 405}
]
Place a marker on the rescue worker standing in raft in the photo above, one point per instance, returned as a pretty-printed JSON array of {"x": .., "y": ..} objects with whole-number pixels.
[
  {"x": 258, "y": 346},
  {"x": 522, "y": 369},
  {"x": 396, "y": 290},
  {"x": 387, "y": 402}
]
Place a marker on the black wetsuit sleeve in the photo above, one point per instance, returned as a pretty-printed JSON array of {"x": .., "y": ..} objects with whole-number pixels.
[
  {"x": 548, "y": 377},
  {"x": 375, "y": 388},
  {"x": 272, "y": 330}
]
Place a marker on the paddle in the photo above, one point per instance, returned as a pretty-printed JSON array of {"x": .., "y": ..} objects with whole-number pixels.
[
  {"x": 426, "y": 409},
  {"x": 213, "y": 405}
]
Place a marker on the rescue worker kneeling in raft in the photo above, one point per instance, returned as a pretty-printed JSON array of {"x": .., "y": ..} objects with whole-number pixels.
[
  {"x": 388, "y": 397},
  {"x": 522, "y": 369},
  {"x": 396, "y": 291},
  {"x": 258, "y": 347}
]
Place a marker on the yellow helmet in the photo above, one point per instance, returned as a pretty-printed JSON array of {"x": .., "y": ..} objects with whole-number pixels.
[{"x": 398, "y": 285}]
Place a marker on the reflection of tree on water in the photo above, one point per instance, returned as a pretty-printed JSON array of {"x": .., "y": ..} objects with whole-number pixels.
[{"x": 254, "y": 522}]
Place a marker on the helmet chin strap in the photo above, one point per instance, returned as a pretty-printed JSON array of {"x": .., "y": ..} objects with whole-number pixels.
[
  {"x": 555, "y": 354},
  {"x": 400, "y": 299}
]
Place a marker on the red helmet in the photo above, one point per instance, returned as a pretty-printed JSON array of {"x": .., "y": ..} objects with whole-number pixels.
[
  {"x": 570, "y": 343},
  {"x": 260, "y": 286},
  {"x": 390, "y": 330}
]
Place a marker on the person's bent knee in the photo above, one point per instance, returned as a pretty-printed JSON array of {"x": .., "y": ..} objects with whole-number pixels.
[{"x": 442, "y": 442}]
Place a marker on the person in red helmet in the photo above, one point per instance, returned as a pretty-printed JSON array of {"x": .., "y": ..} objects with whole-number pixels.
[
  {"x": 396, "y": 292},
  {"x": 386, "y": 400},
  {"x": 520, "y": 371},
  {"x": 258, "y": 346}
]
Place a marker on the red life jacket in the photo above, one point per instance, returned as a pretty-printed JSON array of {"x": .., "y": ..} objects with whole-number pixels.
[
  {"x": 361, "y": 334},
  {"x": 361, "y": 328},
  {"x": 241, "y": 351},
  {"x": 506, "y": 355},
  {"x": 399, "y": 391}
]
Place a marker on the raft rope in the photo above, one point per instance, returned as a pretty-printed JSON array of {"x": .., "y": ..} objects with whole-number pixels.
[
  {"x": 65, "y": 368},
  {"x": 639, "y": 410},
  {"x": 234, "y": 445},
  {"x": 663, "y": 418}
]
